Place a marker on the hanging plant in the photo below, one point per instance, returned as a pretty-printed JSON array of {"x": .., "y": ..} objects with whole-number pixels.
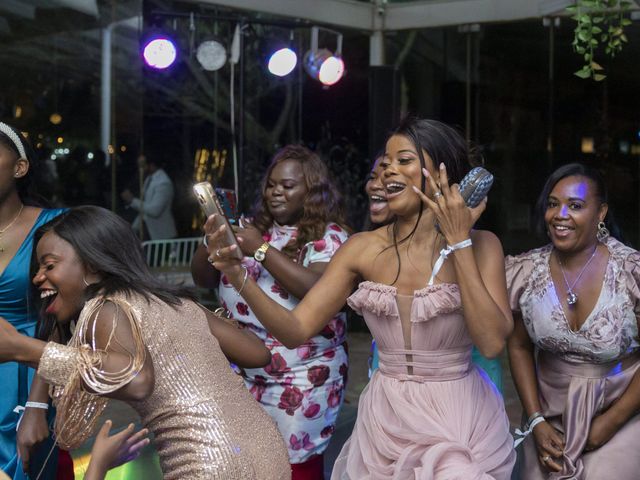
[{"x": 600, "y": 24}]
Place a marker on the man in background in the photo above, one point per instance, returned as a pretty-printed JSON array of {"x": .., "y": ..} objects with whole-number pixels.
[{"x": 154, "y": 209}]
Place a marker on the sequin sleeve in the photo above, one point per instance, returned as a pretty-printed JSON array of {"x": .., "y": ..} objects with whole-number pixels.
[
  {"x": 58, "y": 363},
  {"x": 79, "y": 366}
]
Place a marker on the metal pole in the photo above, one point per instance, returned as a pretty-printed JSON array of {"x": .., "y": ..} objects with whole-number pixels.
[
  {"x": 468, "y": 91},
  {"x": 240, "y": 192},
  {"x": 105, "y": 93}
]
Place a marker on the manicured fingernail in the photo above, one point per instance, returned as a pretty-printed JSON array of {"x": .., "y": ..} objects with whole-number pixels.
[
  {"x": 426, "y": 172},
  {"x": 415, "y": 189},
  {"x": 233, "y": 247},
  {"x": 441, "y": 166}
]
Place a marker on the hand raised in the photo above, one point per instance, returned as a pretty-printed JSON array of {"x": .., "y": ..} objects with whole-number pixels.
[{"x": 455, "y": 219}]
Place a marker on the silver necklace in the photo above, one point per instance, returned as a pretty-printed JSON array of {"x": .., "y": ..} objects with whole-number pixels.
[{"x": 572, "y": 297}]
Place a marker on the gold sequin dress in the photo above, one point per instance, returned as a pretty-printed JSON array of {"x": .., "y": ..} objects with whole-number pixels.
[{"x": 205, "y": 422}]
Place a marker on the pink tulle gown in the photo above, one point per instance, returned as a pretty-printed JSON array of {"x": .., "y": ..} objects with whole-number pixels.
[{"x": 428, "y": 412}]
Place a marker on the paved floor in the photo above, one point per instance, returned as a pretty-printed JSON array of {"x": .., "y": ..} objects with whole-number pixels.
[{"x": 147, "y": 468}]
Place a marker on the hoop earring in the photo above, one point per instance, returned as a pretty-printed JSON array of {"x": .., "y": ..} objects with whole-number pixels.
[
  {"x": 603, "y": 233},
  {"x": 84, "y": 279}
]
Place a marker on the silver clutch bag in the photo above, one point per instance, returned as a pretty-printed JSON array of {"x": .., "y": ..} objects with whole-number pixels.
[{"x": 475, "y": 185}]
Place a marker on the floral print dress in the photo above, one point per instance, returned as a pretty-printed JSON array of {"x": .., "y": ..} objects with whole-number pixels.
[{"x": 302, "y": 389}]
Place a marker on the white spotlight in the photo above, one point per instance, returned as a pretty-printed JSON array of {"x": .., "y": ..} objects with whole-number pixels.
[
  {"x": 322, "y": 64},
  {"x": 282, "y": 62}
]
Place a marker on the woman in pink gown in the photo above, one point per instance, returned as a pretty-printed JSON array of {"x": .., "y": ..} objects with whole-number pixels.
[{"x": 427, "y": 413}]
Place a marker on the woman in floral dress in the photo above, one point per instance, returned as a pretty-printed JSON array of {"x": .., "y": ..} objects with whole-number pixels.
[
  {"x": 575, "y": 351},
  {"x": 297, "y": 227}
]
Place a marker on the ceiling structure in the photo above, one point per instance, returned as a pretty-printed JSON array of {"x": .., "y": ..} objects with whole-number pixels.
[{"x": 401, "y": 15}]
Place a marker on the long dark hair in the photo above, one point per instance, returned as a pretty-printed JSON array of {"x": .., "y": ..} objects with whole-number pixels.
[
  {"x": 28, "y": 185},
  {"x": 322, "y": 205},
  {"x": 443, "y": 144},
  {"x": 571, "y": 170},
  {"x": 107, "y": 245}
]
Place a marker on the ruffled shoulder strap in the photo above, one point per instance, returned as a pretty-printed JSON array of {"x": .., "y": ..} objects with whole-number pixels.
[
  {"x": 433, "y": 300},
  {"x": 374, "y": 297},
  {"x": 519, "y": 268}
]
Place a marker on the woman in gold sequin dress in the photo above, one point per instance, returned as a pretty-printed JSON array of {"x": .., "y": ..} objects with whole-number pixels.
[{"x": 148, "y": 344}]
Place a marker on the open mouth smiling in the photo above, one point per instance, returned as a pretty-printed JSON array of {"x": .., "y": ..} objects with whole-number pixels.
[{"x": 394, "y": 188}]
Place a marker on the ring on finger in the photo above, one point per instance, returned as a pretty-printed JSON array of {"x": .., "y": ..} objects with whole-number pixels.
[
  {"x": 437, "y": 195},
  {"x": 546, "y": 458},
  {"x": 217, "y": 254}
]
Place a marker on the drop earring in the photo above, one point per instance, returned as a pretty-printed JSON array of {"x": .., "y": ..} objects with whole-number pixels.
[{"x": 603, "y": 233}]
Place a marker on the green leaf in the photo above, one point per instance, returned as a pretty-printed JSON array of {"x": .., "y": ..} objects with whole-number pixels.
[
  {"x": 580, "y": 50},
  {"x": 594, "y": 42},
  {"x": 571, "y": 9},
  {"x": 598, "y": 77},
  {"x": 604, "y": 37},
  {"x": 595, "y": 30},
  {"x": 588, "y": 57},
  {"x": 584, "y": 18},
  {"x": 596, "y": 66},
  {"x": 582, "y": 74},
  {"x": 623, "y": 37},
  {"x": 583, "y": 36},
  {"x": 625, "y": 22},
  {"x": 597, "y": 19}
]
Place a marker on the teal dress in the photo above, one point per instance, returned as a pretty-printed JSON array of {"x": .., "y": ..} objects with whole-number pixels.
[{"x": 15, "y": 283}]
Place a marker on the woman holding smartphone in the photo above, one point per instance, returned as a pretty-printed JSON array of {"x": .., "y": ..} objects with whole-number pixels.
[
  {"x": 297, "y": 227},
  {"x": 427, "y": 411}
]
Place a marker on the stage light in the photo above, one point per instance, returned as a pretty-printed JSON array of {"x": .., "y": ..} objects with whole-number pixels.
[
  {"x": 282, "y": 62},
  {"x": 211, "y": 55},
  {"x": 321, "y": 63},
  {"x": 159, "y": 52}
]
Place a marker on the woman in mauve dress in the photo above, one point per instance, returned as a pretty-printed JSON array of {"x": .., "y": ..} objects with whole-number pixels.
[
  {"x": 574, "y": 351},
  {"x": 428, "y": 412}
]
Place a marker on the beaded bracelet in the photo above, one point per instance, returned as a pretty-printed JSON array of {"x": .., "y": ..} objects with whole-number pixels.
[{"x": 41, "y": 405}]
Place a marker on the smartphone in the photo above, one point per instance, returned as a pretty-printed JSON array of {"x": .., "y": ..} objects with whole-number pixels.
[
  {"x": 475, "y": 185},
  {"x": 210, "y": 205}
]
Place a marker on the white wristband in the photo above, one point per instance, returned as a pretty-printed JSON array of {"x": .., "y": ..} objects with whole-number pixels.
[
  {"x": 43, "y": 406},
  {"x": 444, "y": 253},
  {"x": 522, "y": 435}
]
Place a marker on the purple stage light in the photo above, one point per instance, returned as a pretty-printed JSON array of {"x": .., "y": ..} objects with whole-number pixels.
[{"x": 160, "y": 53}]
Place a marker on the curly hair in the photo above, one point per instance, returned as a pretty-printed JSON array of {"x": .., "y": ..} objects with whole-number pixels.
[{"x": 322, "y": 204}]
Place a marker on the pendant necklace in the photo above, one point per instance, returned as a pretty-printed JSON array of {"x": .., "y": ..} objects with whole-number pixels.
[
  {"x": 572, "y": 297},
  {"x": 8, "y": 227}
]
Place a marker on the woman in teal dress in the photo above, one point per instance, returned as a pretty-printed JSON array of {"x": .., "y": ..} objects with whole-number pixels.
[{"x": 19, "y": 219}]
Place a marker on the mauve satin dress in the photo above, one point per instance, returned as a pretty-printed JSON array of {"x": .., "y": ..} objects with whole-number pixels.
[{"x": 581, "y": 373}]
